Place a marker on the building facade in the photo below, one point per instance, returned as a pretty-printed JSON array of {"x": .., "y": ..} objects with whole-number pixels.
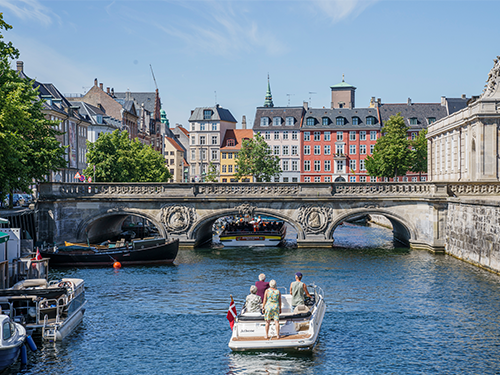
[{"x": 231, "y": 145}]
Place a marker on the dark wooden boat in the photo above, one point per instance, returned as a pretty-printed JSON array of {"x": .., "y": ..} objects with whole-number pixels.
[{"x": 139, "y": 252}]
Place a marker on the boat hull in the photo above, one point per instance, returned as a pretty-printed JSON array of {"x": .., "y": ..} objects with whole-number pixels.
[
  {"x": 160, "y": 254},
  {"x": 10, "y": 353},
  {"x": 250, "y": 240}
]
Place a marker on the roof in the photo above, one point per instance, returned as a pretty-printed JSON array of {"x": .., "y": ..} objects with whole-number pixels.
[
  {"x": 421, "y": 111},
  {"x": 218, "y": 114},
  {"x": 342, "y": 85},
  {"x": 91, "y": 112},
  {"x": 347, "y": 113},
  {"x": 148, "y": 98},
  {"x": 283, "y": 112},
  {"x": 238, "y": 135},
  {"x": 183, "y": 129},
  {"x": 456, "y": 104},
  {"x": 175, "y": 144}
]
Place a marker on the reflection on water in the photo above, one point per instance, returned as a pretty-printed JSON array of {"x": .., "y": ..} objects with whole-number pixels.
[{"x": 389, "y": 311}]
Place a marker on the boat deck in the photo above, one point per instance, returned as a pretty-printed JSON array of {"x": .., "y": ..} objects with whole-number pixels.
[{"x": 262, "y": 338}]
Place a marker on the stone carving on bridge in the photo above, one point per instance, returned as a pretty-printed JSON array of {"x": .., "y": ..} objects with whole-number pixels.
[
  {"x": 485, "y": 188},
  {"x": 177, "y": 218},
  {"x": 246, "y": 209},
  {"x": 225, "y": 189},
  {"x": 314, "y": 219}
]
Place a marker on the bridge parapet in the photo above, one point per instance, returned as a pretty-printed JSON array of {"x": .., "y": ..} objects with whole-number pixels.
[{"x": 458, "y": 189}]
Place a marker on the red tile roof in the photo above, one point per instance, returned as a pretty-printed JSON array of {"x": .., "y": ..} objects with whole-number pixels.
[
  {"x": 175, "y": 144},
  {"x": 238, "y": 135}
]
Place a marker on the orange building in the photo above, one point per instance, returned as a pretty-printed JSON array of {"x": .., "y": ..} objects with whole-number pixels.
[{"x": 231, "y": 145}]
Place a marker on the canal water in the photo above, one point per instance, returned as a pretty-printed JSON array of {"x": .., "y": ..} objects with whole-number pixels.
[{"x": 389, "y": 311}]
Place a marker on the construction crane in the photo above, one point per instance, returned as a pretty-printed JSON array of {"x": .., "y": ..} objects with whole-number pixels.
[
  {"x": 289, "y": 98},
  {"x": 154, "y": 79}
]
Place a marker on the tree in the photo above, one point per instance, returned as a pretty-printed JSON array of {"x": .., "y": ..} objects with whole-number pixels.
[
  {"x": 392, "y": 155},
  {"x": 213, "y": 173},
  {"x": 255, "y": 159},
  {"x": 419, "y": 153},
  {"x": 116, "y": 158},
  {"x": 29, "y": 150}
]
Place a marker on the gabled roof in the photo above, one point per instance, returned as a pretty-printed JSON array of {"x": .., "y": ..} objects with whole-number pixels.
[
  {"x": 421, "y": 111},
  {"x": 148, "y": 98},
  {"x": 182, "y": 129},
  {"x": 238, "y": 135},
  {"x": 175, "y": 144},
  {"x": 283, "y": 112},
  {"x": 218, "y": 114},
  {"x": 90, "y": 112}
]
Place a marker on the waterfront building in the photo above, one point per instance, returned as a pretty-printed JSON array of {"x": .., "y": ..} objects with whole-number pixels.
[
  {"x": 463, "y": 146},
  {"x": 181, "y": 135},
  {"x": 73, "y": 126},
  {"x": 99, "y": 121},
  {"x": 230, "y": 147},
  {"x": 174, "y": 157},
  {"x": 207, "y": 127}
]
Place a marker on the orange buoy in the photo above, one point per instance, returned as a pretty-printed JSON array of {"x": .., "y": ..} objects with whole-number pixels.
[{"x": 117, "y": 265}]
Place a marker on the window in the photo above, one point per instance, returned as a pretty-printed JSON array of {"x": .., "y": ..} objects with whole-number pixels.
[
  {"x": 362, "y": 149},
  {"x": 317, "y": 179},
  {"x": 310, "y": 121},
  {"x": 362, "y": 178},
  {"x": 373, "y": 179},
  {"x": 307, "y": 179},
  {"x": 413, "y": 121},
  {"x": 295, "y": 166},
  {"x": 267, "y": 136},
  {"x": 7, "y": 331},
  {"x": 325, "y": 121},
  {"x": 327, "y": 149},
  {"x": 355, "y": 120},
  {"x": 317, "y": 165},
  {"x": 294, "y": 179},
  {"x": 352, "y": 149},
  {"x": 328, "y": 179},
  {"x": 285, "y": 165},
  {"x": 405, "y": 179},
  {"x": 289, "y": 121},
  {"x": 352, "y": 179},
  {"x": 230, "y": 168},
  {"x": 317, "y": 150},
  {"x": 202, "y": 127},
  {"x": 203, "y": 154},
  {"x": 340, "y": 166},
  {"x": 414, "y": 179},
  {"x": 413, "y": 135},
  {"x": 285, "y": 134},
  {"x": 326, "y": 136},
  {"x": 230, "y": 142},
  {"x": 215, "y": 155},
  {"x": 224, "y": 168},
  {"x": 171, "y": 153},
  {"x": 285, "y": 150},
  {"x": 264, "y": 121},
  {"x": 216, "y": 142},
  {"x": 362, "y": 136},
  {"x": 430, "y": 120},
  {"x": 373, "y": 135},
  {"x": 235, "y": 155},
  {"x": 307, "y": 136},
  {"x": 340, "y": 121},
  {"x": 193, "y": 139},
  {"x": 352, "y": 136},
  {"x": 193, "y": 154},
  {"x": 229, "y": 155},
  {"x": 295, "y": 135},
  {"x": 328, "y": 165},
  {"x": 307, "y": 165},
  {"x": 362, "y": 165},
  {"x": 276, "y": 121},
  {"x": 207, "y": 114},
  {"x": 307, "y": 150},
  {"x": 339, "y": 149},
  {"x": 372, "y": 148},
  {"x": 423, "y": 178},
  {"x": 317, "y": 136},
  {"x": 276, "y": 150},
  {"x": 202, "y": 140},
  {"x": 285, "y": 179},
  {"x": 276, "y": 136},
  {"x": 223, "y": 155},
  {"x": 193, "y": 170},
  {"x": 214, "y": 126},
  {"x": 340, "y": 136},
  {"x": 295, "y": 150},
  {"x": 352, "y": 165},
  {"x": 370, "y": 120}
]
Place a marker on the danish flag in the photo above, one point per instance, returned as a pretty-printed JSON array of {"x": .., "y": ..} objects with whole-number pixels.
[{"x": 231, "y": 313}]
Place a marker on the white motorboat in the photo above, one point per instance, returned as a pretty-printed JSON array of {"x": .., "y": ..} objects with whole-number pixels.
[
  {"x": 51, "y": 309},
  {"x": 299, "y": 329},
  {"x": 12, "y": 337}
]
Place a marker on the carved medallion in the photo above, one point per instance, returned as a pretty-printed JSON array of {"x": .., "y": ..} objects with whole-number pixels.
[
  {"x": 314, "y": 219},
  {"x": 246, "y": 209},
  {"x": 177, "y": 218}
]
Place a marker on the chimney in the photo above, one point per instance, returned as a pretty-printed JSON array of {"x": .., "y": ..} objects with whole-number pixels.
[
  {"x": 113, "y": 92},
  {"x": 464, "y": 97},
  {"x": 20, "y": 66},
  {"x": 409, "y": 101},
  {"x": 101, "y": 86},
  {"x": 95, "y": 82},
  {"x": 306, "y": 106},
  {"x": 243, "y": 122},
  {"x": 379, "y": 101},
  {"x": 192, "y": 111},
  {"x": 107, "y": 90},
  {"x": 443, "y": 101}
]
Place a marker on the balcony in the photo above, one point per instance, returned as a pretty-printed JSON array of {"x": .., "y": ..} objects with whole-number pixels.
[{"x": 339, "y": 156}]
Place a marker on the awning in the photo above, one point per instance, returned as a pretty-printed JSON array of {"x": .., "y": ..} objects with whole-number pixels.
[
  {"x": 4, "y": 221},
  {"x": 4, "y": 237}
]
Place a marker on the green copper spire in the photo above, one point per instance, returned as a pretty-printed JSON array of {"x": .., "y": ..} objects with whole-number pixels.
[
  {"x": 269, "y": 98},
  {"x": 164, "y": 118}
]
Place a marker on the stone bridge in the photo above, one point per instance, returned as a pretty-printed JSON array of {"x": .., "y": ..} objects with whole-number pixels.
[{"x": 77, "y": 212}]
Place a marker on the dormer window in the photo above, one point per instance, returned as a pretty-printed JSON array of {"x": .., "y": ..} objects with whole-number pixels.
[
  {"x": 370, "y": 120},
  {"x": 355, "y": 120},
  {"x": 430, "y": 120},
  {"x": 325, "y": 121},
  {"x": 289, "y": 121},
  {"x": 207, "y": 114},
  {"x": 310, "y": 121},
  {"x": 276, "y": 121},
  {"x": 231, "y": 143},
  {"x": 99, "y": 119},
  {"x": 264, "y": 121},
  {"x": 340, "y": 121},
  {"x": 413, "y": 121}
]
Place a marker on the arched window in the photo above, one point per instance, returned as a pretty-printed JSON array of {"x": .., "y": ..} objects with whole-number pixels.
[
  {"x": 340, "y": 121},
  {"x": 355, "y": 120},
  {"x": 370, "y": 120},
  {"x": 325, "y": 121}
]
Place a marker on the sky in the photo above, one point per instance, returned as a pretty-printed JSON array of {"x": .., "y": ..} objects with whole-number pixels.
[{"x": 207, "y": 52}]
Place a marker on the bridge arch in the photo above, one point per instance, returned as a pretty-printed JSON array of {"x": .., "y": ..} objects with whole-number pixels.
[
  {"x": 403, "y": 230},
  {"x": 102, "y": 226},
  {"x": 202, "y": 228}
]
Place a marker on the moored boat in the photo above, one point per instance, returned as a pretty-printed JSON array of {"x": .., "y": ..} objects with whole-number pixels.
[
  {"x": 254, "y": 233},
  {"x": 138, "y": 252},
  {"x": 299, "y": 329},
  {"x": 12, "y": 337}
]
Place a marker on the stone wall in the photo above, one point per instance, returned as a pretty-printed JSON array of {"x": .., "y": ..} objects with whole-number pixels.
[{"x": 473, "y": 231}]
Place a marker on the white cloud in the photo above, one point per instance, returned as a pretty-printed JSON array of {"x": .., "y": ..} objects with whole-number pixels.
[
  {"x": 29, "y": 9},
  {"x": 338, "y": 10}
]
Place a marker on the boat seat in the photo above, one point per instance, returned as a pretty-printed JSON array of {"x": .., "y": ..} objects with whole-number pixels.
[{"x": 300, "y": 309}]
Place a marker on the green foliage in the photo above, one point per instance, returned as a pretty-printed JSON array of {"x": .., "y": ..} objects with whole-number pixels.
[
  {"x": 118, "y": 159},
  {"x": 256, "y": 159},
  {"x": 29, "y": 150},
  {"x": 392, "y": 155},
  {"x": 213, "y": 173},
  {"x": 419, "y": 153}
]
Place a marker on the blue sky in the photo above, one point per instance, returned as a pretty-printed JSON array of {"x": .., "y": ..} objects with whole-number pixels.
[{"x": 203, "y": 51}]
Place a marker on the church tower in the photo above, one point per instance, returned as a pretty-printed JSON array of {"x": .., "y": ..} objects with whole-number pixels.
[{"x": 268, "y": 102}]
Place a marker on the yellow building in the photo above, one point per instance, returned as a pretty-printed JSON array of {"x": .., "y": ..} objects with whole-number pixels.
[
  {"x": 230, "y": 147},
  {"x": 174, "y": 158}
]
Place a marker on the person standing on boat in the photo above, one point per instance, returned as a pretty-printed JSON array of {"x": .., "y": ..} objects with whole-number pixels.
[
  {"x": 261, "y": 285},
  {"x": 253, "y": 301},
  {"x": 272, "y": 308},
  {"x": 298, "y": 289}
]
